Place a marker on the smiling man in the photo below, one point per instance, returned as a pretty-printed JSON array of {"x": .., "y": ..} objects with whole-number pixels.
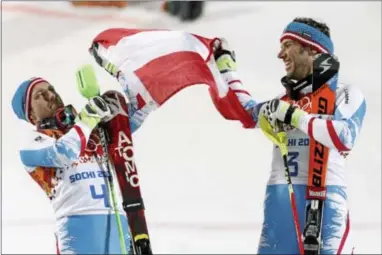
[{"x": 303, "y": 43}]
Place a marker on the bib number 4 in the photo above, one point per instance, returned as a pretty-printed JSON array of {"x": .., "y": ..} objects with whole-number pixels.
[{"x": 100, "y": 194}]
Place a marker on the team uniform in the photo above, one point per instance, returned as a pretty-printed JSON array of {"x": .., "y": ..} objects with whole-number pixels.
[
  {"x": 339, "y": 133},
  {"x": 69, "y": 167},
  {"x": 76, "y": 184}
]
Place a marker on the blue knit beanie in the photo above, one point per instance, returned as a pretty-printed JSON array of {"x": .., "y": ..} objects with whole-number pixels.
[
  {"x": 21, "y": 99},
  {"x": 307, "y": 35}
]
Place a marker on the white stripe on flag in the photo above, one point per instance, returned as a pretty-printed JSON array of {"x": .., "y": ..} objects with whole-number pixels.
[{"x": 128, "y": 54}]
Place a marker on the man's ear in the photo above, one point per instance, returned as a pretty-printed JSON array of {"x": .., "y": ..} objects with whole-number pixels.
[
  {"x": 309, "y": 50},
  {"x": 312, "y": 52}
]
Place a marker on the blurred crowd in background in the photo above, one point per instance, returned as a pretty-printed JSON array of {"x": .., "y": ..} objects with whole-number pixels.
[{"x": 184, "y": 10}]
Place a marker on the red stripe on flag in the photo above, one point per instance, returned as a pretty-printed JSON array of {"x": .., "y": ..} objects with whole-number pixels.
[
  {"x": 166, "y": 75},
  {"x": 208, "y": 43},
  {"x": 141, "y": 101},
  {"x": 231, "y": 108},
  {"x": 335, "y": 139}
]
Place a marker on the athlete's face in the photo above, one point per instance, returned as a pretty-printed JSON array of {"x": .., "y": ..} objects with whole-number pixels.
[
  {"x": 44, "y": 101},
  {"x": 298, "y": 60}
]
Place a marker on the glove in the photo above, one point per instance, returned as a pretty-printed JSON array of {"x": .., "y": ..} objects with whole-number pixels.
[
  {"x": 94, "y": 112},
  {"x": 276, "y": 110},
  {"x": 224, "y": 56},
  {"x": 274, "y": 134},
  {"x": 116, "y": 103}
]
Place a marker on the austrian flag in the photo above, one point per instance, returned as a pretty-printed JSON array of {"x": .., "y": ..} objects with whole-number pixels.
[{"x": 156, "y": 64}]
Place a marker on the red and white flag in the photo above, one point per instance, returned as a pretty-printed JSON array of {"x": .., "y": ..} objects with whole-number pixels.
[{"x": 156, "y": 64}]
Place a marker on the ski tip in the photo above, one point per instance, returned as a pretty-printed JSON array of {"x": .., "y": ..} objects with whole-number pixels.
[{"x": 87, "y": 83}]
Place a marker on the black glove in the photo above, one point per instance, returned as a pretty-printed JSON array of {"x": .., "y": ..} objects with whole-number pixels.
[{"x": 115, "y": 104}]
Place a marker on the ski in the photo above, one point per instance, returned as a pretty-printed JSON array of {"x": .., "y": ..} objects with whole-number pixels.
[
  {"x": 122, "y": 157},
  {"x": 324, "y": 85}
]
